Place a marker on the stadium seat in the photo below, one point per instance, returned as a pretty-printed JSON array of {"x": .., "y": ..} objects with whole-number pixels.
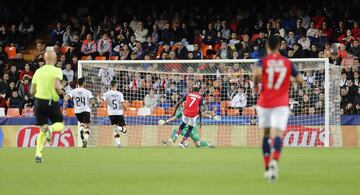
[
  {"x": 205, "y": 48},
  {"x": 224, "y": 106},
  {"x": 144, "y": 112},
  {"x": 138, "y": 104},
  {"x": 100, "y": 58},
  {"x": 174, "y": 47},
  {"x": 159, "y": 111},
  {"x": 249, "y": 111},
  {"x": 233, "y": 112},
  {"x": 254, "y": 37},
  {"x": 158, "y": 51},
  {"x": 101, "y": 112},
  {"x": 131, "y": 112},
  {"x": 2, "y": 112},
  {"x": 170, "y": 111},
  {"x": 13, "y": 112},
  {"x": 85, "y": 57},
  {"x": 64, "y": 49},
  {"x": 69, "y": 112},
  {"x": 127, "y": 104},
  {"x": 113, "y": 57},
  {"x": 28, "y": 57},
  {"x": 11, "y": 52}
]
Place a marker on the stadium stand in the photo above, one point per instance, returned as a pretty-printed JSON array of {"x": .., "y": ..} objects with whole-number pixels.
[{"x": 198, "y": 32}]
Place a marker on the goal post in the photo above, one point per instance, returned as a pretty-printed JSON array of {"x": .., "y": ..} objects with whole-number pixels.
[{"x": 151, "y": 87}]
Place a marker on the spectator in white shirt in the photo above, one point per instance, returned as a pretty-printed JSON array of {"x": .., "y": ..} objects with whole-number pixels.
[
  {"x": 104, "y": 45},
  {"x": 141, "y": 32},
  {"x": 304, "y": 41},
  {"x": 68, "y": 72},
  {"x": 312, "y": 31},
  {"x": 239, "y": 100}
]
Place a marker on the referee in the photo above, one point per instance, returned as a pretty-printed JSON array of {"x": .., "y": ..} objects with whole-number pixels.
[{"x": 46, "y": 87}]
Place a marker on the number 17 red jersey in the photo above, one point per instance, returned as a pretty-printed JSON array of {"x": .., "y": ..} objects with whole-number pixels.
[
  {"x": 276, "y": 73},
  {"x": 192, "y": 103}
]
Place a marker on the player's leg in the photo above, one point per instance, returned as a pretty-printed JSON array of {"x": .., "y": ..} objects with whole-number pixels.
[
  {"x": 114, "y": 122},
  {"x": 56, "y": 117},
  {"x": 279, "y": 118},
  {"x": 122, "y": 124},
  {"x": 41, "y": 109},
  {"x": 85, "y": 121},
  {"x": 191, "y": 122},
  {"x": 182, "y": 126},
  {"x": 264, "y": 124}
]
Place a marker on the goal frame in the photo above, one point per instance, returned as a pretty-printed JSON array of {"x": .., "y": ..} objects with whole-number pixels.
[{"x": 323, "y": 60}]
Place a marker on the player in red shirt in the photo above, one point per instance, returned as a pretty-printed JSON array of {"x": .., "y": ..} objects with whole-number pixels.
[
  {"x": 192, "y": 108},
  {"x": 274, "y": 72}
]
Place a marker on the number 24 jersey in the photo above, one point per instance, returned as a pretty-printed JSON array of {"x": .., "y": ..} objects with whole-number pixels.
[
  {"x": 81, "y": 97},
  {"x": 114, "y": 100}
]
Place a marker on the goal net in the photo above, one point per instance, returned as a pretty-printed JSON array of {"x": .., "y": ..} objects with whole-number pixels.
[{"x": 152, "y": 89}]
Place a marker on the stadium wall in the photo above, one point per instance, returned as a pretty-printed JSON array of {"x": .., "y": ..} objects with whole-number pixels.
[{"x": 21, "y": 132}]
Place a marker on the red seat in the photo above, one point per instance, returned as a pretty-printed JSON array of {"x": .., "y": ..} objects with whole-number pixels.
[
  {"x": 100, "y": 58},
  {"x": 11, "y": 52},
  {"x": 205, "y": 48},
  {"x": 13, "y": 112}
]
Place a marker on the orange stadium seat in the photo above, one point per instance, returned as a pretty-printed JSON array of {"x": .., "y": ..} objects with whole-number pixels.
[
  {"x": 127, "y": 104},
  {"x": 13, "y": 112},
  {"x": 233, "y": 112},
  {"x": 224, "y": 106},
  {"x": 64, "y": 49},
  {"x": 174, "y": 47},
  {"x": 138, "y": 103},
  {"x": 85, "y": 58},
  {"x": 159, "y": 50},
  {"x": 205, "y": 48},
  {"x": 69, "y": 112},
  {"x": 170, "y": 111},
  {"x": 113, "y": 57},
  {"x": 249, "y": 111},
  {"x": 11, "y": 52},
  {"x": 131, "y": 112},
  {"x": 159, "y": 111},
  {"x": 100, "y": 58},
  {"x": 101, "y": 112}
]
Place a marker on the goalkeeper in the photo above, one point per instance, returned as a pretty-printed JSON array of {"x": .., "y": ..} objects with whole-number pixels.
[{"x": 194, "y": 134}]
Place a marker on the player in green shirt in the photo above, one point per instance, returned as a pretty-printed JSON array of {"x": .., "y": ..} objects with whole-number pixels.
[{"x": 194, "y": 134}]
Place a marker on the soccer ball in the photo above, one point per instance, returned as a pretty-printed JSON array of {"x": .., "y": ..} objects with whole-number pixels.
[{"x": 186, "y": 144}]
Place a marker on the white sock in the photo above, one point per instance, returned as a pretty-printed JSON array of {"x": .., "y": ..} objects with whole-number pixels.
[
  {"x": 86, "y": 136},
  {"x": 117, "y": 140}
]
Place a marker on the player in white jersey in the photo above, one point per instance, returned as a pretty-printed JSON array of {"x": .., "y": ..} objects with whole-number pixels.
[
  {"x": 115, "y": 104},
  {"x": 82, "y": 99}
]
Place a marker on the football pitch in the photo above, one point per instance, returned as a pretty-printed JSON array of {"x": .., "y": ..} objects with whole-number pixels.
[{"x": 176, "y": 171}]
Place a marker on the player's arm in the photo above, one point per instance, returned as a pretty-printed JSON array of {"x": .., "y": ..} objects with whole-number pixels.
[
  {"x": 58, "y": 87},
  {"x": 33, "y": 89},
  {"x": 178, "y": 105},
  {"x": 296, "y": 74},
  {"x": 66, "y": 99},
  {"x": 257, "y": 73},
  {"x": 200, "y": 112},
  {"x": 169, "y": 120},
  {"x": 33, "y": 85},
  {"x": 123, "y": 106},
  {"x": 210, "y": 115}
]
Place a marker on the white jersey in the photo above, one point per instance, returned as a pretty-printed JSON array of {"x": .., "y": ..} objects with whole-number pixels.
[
  {"x": 81, "y": 99},
  {"x": 114, "y": 100},
  {"x": 106, "y": 75}
]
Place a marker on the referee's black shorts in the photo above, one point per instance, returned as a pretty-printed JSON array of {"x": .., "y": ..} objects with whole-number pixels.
[
  {"x": 44, "y": 110},
  {"x": 117, "y": 120},
  {"x": 83, "y": 117}
]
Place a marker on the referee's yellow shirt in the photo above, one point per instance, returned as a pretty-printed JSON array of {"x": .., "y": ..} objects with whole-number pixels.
[{"x": 44, "y": 78}]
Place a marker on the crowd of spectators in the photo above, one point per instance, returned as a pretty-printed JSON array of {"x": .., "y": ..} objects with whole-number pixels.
[{"x": 239, "y": 32}]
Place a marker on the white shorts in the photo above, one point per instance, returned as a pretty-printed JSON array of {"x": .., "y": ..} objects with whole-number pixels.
[
  {"x": 273, "y": 117},
  {"x": 189, "y": 120}
]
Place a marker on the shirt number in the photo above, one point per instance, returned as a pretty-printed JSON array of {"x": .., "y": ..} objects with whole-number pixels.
[
  {"x": 275, "y": 66},
  {"x": 192, "y": 101}
]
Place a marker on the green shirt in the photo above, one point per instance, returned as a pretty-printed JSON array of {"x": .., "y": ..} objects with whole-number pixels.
[{"x": 44, "y": 78}]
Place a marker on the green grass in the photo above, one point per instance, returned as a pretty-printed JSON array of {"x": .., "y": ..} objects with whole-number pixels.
[{"x": 174, "y": 171}]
